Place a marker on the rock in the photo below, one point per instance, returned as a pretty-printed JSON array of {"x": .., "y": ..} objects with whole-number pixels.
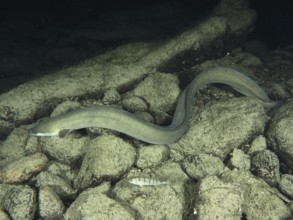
[
  {"x": 50, "y": 205},
  {"x": 134, "y": 104},
  {"x": 3, "y": 215},
  {"x": 60, "y": 186},
  {"x": 259, "y": 199},
  {"x": 280, "y": 135},
  {"x": 151, "y": 156},
  {"x": 111, "y": 96},
  {"x": 236, "y": 194},
  {"x": 279, "y": 90},
  {"x": 67, "y": 150},
  {"x": 23, "y": 169},
  {"x": 14, "y": 147},
  {"x": 239, "y": 160},
  {"x": 160, "y": 83},
  {"x": 286, "y": 185},
  {"x": 202, "y": 165},
  {"x": 265, "y": 164},
  {"x": 66, "y": 172},
  {"x": 220, "y": 127},
  {"x": 20, "y": 202},
  {"x": 93, "y": 203},
  {"x": 107, "y": 158},
  {"x": 258, "y": 144},
  {"x": 218, "y": 198}
]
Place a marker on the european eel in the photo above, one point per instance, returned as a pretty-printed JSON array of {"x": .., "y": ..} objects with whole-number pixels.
[{"x": 127, "y": 123}]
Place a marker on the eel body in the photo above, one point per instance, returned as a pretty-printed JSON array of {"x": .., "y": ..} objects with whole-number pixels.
[{"x": 127, "y": 123}]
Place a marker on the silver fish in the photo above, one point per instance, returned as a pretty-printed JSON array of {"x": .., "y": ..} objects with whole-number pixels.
[{"x": 145, "y": 181}]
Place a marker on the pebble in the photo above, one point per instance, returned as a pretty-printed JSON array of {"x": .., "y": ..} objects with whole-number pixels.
[
  {"x": 50, "y": 204},
  {"x": 23, "y": 169},
  {"x": 265, "y": 164},
  {"x": 239, "y": 160},
  {"x": 280, "y": 133},
  {"x": 286, "y": 185},
  {"x": 201, "y": 165},
  {"x": 152, "y": 156},
  {"x": 20, "y": 202},
  {"x": 58, "y": 184}
]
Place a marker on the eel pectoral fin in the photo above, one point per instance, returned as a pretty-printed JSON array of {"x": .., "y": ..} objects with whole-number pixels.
[{"x": 64, "y": 132}]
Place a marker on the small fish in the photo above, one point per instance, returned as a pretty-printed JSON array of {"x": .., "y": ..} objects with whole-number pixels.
[{"x": 145, "y": 181}]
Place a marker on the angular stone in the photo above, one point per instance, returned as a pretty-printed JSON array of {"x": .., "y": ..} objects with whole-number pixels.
[{"x": 220, "y": 127}]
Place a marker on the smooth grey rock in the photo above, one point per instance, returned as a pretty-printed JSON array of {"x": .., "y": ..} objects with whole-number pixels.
[
  {"x": 265, "y": 164},
  {"x": 280, "y": 133},
  {"x": 286, "y": 185},
  {"x": 202, "y": 165},
  {"x": 151, "y": 156},
  {"x": 23, "y": 169},
  {"x": 93, "y": 204},
  {"x": 220, "y": 127},
  {"x": 156, "y": 202},
  {"x": 20, "y": 202},
  {"x": 260, "y": 201},
  {"x": 50, "y": 205},
  {"x": 60, "y": 186},
  {"x": 239, "y": 160},
  {"x": 107, "y": 157}
]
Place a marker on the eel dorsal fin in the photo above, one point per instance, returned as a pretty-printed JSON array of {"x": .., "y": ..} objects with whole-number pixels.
[{"x": 64, "y": 132}]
